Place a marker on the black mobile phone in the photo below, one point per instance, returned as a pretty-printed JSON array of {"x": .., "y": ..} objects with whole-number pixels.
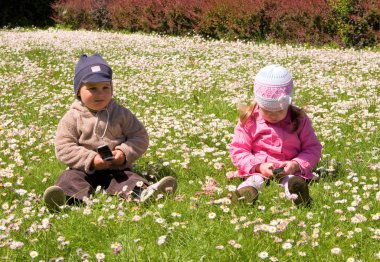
[
  {"x": 105, "y": 153},
  {"x": 278, "y": 171}
]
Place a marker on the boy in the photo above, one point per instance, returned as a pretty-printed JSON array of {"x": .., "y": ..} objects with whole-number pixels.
[{"x": 97, "y": 120}]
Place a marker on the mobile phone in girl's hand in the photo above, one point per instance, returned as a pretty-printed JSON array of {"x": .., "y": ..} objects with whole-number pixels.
[
  {"x": 278, "y": 171},
  {"x": 105, "y": 152}
]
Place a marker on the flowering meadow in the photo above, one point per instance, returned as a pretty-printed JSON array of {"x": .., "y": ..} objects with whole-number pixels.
[{"x": 186, "y": 92}]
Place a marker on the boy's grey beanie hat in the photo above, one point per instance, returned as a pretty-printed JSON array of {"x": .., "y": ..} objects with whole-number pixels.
[{"x": 91, "y": 69}]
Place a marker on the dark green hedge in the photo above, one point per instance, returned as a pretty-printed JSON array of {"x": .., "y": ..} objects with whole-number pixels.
[{"x": 26, "y": 13}]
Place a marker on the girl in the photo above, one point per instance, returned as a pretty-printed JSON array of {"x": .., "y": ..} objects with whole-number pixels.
[{"x": 274, "y": 139}]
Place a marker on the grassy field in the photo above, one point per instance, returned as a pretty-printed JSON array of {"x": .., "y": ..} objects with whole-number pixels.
[{"x": 186, "y": 91}]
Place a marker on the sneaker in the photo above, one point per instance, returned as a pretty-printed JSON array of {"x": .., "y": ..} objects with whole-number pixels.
[
  {"x": 54, "y": 197},
  {"x": 298, "y": 186},
  {"x": 166, "y": 185},
  {"x": 246, "y": 194}
]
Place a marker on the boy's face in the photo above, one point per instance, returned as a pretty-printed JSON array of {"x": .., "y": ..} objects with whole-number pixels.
[{"x": 96, "y": 96}]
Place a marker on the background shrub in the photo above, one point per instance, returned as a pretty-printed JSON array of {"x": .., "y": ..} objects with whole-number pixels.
[
  {"x": 237, "y": 19},
  {"x": 357, "y": 21},
  {"x": 25, "y": 13},
  {"x": 87, "y": 14},
  {"x": 349, "y": 23},
  {"x": 300, "y": 21},
  {"x": 167, "y": 16}
]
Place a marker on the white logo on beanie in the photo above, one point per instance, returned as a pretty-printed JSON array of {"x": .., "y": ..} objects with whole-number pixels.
[{"x": 95, "y": 69}]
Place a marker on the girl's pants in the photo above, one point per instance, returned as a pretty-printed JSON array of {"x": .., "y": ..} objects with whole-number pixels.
[
  {"x": 77, "y": 184},
  {"x": 258, "y": 181}
]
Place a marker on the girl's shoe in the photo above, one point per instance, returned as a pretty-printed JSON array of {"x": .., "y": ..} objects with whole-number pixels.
[
  {"x": 246, "y": 194},
  {"x": 297, "y": 185},
  {"x": 166, "y": 185},
  {"x": 54, "y": 197}
]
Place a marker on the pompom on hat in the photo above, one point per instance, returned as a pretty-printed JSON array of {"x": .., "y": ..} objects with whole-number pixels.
[
  {"x": 273, "y": 88},
  {"x": 91, "y": 69}
]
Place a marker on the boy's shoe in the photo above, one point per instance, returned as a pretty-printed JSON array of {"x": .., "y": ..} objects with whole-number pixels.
[
  {"x": 246, "y": 194},
  {"x": 166, "y": 185},
  {"x": 54, "y": 197},
  {"x": 297, "y": 185}
]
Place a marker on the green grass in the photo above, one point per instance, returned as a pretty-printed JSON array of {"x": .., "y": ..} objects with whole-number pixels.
[{"x": 186, "y": 91}]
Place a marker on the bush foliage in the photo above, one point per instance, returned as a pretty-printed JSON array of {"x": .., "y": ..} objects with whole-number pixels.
[
  {"x": 349, "y": 23},
  {"x": 25, "y": 13}
]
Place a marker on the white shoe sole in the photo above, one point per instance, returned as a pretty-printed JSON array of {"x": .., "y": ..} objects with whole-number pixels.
[
  {"x": 166, "y": 185},
  {"x": 54, "y": 197}
]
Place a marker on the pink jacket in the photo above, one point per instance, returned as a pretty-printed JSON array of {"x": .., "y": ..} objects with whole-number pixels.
[{"x": 259, "y": 141}]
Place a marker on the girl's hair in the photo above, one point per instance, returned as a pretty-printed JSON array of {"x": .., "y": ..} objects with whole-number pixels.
[
  {"x": 246, "y": 112},
  {"x": 296, "y": 114}
]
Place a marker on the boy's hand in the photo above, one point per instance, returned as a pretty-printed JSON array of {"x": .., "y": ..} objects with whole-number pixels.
[
  {"x": 100, "y": 164},
  {"x": 290, "y": 167},
  {"x": 265, "y": 169},
  {"x": 119, "y": 158}
]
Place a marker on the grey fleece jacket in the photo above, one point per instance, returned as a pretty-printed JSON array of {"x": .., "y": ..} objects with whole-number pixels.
[{"x": 76, "y": 139}]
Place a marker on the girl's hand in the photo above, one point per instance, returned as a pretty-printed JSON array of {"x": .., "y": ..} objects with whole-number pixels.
[
  {"x": 119, "y": 158},
  {"x": 290, "y": 167},
  {"x": 265, "y": 169},
  {"x": 99, "y": 164}
]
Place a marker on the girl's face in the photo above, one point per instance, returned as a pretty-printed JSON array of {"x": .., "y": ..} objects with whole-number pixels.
[
  {"x": 96, "y": 96},
  {"x": 273, "y": 117}
]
